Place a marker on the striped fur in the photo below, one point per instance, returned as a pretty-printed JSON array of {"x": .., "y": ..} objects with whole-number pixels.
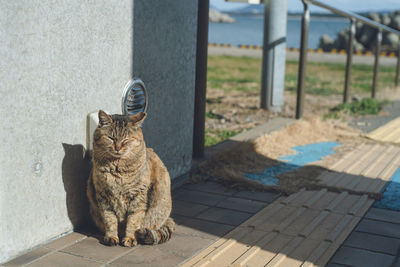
[
  {"x": 129, "y": 186},
  {"x": 153, "y": 237}
]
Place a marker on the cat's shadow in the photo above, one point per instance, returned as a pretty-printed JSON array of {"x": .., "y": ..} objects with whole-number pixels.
[{"x": 76, "y": 167}]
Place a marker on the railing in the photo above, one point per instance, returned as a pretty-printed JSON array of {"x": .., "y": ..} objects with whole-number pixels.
[{"x": 353, "y": 18}]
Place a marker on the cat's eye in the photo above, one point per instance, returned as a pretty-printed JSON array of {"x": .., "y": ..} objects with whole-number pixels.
[
  {"x": 126, "y": 140},
  {"x": 108, "y": 138}
]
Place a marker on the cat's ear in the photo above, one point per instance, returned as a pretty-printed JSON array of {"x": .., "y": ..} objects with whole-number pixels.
[
  {"x": 104, "y": 118},
  {"x": 137, "y": 119}
]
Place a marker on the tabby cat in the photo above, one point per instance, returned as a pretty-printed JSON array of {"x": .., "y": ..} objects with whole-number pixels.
[{"x": 129, "y": 186}]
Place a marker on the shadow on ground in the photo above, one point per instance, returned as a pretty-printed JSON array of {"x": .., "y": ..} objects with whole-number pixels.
[{"x": 207, "y": 210}]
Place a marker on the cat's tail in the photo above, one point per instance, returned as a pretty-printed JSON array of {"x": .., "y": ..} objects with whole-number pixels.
[{"x": 153, "y": 237}]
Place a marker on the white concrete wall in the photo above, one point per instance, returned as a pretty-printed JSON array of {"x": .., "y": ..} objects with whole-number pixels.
[{"x": 61, "y": 60}]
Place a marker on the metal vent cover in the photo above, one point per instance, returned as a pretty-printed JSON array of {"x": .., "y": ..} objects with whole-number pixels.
[{"x": 134, "y": 97}]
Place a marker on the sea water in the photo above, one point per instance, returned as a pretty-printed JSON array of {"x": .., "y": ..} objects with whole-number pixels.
[{"x": 248, "y": 30}]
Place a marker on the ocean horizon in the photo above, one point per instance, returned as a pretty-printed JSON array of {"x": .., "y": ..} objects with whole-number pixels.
[{"x": 248, "y": 30}]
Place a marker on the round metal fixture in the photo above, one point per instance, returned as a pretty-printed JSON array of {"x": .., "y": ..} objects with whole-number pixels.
[{"x": 134, "y": 98}]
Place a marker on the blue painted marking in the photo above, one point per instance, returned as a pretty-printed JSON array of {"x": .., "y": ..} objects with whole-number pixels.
[
  {"x": 304, "y": 155},
  {"x": 391, "y": 195}
]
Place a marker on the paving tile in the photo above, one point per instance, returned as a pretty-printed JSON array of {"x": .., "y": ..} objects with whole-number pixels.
[
  {"x": 224, "y": 216},
  {"x": 148, "y": 256},
  {"x": 178, "y": 218},
  {"x": 28, "y": 257},
  {"x": 64, "y": 241},
  {"x": 186, "y": 208},
  {"x": 64, "y": 260},
  {"x": 358, "y": 257},
  {"x": 335, "y": 265},
  {"x": 379, "y": 228},
  {"x": 182, "y": 229},
  {"x": 185, "y": 246},
  {"x": 240, "y": 204},
  {"x": 198, "y": 197},
  {"x": 210, "y": 187},
  {"x": 211, "y": 228},
  {"x": 91, "y": 248},
  {"x": 374, "y": 243},
  {"x": 383, "y": 215},
  {"x": 259, "y": 196}
]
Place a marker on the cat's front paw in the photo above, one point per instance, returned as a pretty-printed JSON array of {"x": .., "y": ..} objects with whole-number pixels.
[
  {"x": 129, "y": 242},
  {"x": 111, "y": 240}
]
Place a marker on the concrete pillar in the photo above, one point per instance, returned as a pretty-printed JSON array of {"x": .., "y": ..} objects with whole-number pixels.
[
  {"x": 274, "y": 54},
  {"x": 164, "y": 57}
]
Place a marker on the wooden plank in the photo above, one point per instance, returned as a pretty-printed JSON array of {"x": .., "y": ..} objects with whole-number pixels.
[
  {"x": 367, "y": 176},
  {"x": 316, "y": 254},
  {"x": 245, "y": 257},
  {"x": 330, "y": 251},
  {"x": 311, "y": 227},
  {"x": 300, "y": 254},
  {"x": 269, "y": 251},
  {"x": 268, "y": 211},
  {"x": 336, "y": 202},
  {"x": 360, "y": 161},
  {"x": 341, "y": 164},
  {"x": 303, "y": 236},
  {"x": 377, "y": 185},
  {"x": 367, "y": 157},
  {"x": 268, "y": 224},
  {"x": 289, "y": 220},
  {"x": 281, "y": 256},
  {"x": 315, "y": 198},
  {"x": 382, "y": 132}
]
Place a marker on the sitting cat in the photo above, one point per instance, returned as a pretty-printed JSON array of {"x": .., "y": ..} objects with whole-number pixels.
[{"x": 129, "y": 186}]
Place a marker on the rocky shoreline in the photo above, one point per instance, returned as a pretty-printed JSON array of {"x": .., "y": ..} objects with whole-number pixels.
[
  {"x": 365, "y": 39},
  {"x": 216, "y": 16}
]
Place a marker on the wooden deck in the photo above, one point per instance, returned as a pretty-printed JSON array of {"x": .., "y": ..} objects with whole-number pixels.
[
  {"x": 390, "y": 132},
  {"x": 306, "y": 228}
]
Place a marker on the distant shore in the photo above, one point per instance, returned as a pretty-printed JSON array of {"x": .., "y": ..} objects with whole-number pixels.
[{"x": 294, "y": 56}]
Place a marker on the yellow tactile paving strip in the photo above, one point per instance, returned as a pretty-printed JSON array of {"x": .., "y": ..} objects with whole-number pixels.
[
  {"x": 304, "y": 229},
  {"x": 389, "y": 132},
  {"x": 364, "y": 170}
]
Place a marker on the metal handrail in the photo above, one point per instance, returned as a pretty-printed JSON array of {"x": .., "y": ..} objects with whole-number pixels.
[{"x": 353, "y": 18}]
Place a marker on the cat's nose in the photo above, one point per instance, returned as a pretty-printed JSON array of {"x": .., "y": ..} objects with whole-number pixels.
[{"x": 118, "y": 147}]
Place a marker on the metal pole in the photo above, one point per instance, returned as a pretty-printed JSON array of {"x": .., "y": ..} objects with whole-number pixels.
[
  {"x": 350, "y": 46},
  {"x": 274, "y": 55},
  {"x": 305, "y": 22},
  {"x": 398, "y": 66},
  {"x": 376, "y": 65},
  {"x": 201, "y": 79},
  {"x": 267, "y": 63}
]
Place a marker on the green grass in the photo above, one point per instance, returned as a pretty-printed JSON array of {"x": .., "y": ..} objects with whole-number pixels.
[
  {"x": 234, "y": 73},
  {"x": 243, "y": 74},
  {"x": 367, "y": 106},
  {"x": 215, "y": 137},
  {"x": 212, "y": 115}
]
